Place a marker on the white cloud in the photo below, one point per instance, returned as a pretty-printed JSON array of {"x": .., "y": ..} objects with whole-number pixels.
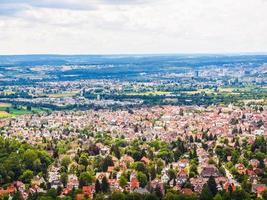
[{"x": 137, "y": 26}]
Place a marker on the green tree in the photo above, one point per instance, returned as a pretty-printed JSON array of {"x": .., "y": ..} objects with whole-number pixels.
[
  {"x": 264, "y": 195},
  {"x": 83, "y": 160},
  {"x": 212, "y": 185},
  {"x": 142, "y": 178},
  {"x": 106, "y": 163},
  {"x": 65, "y": 161},
  {"x": 206, "y": 193},
  {"x": 134, "y": 196},
  {"x": 117, "y": 196},
  {"x": 218, "y": 197},
  {"x": 27, "y": 176},
  {"x": 17, "y": 196},
  {"x": 97, "y": 186},
  {"x": 85, "y": 179},
  {"x": 123, "y": 181},
  {"x": 64, "y": 178},
  {"x": 150, "y": 197},
  {"x": 105, "y": 185},
  {"x": 140, "y": 166},
  {"x": 30, "y": 156},
  {"x": 158, "y": 192}
]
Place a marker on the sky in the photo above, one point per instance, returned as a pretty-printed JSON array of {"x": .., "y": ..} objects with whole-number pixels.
[{"x": 132, "y": 26}]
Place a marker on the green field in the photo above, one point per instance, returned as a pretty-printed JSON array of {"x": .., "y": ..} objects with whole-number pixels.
[
  {"x": 149, "y": 93},
  {"x": 5, "y": 105},
  {"x": 60, "y": 95},
  {"x": 6, "y": 110},
  {"x": 4, "y": 114}
]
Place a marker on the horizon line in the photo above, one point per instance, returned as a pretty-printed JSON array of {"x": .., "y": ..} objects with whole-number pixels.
[{"x": 137, "y": 54}]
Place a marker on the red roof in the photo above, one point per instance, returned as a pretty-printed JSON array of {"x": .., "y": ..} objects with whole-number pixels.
[
  {"x": 87, "y": 190},
  {"x": 187, "y": 191},
  {"x": 79, "y": 196},
  {"x": 134, "y": 183},
  {"x": 260, "y": 189},
  {"x": 110, "y": 168},
  {"x": 145, "y": 160},
  {"x": 227, "y": 185}
]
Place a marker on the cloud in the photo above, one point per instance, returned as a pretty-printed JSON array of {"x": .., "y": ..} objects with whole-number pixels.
[
  {"x": 10, "y": 7},
  {"x": 136, "y": 26}
]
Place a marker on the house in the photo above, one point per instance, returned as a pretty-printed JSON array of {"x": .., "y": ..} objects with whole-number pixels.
[
  {"x": 183, "y": 163},
  {"x": 141, "y": 190},
  {"x": 258, "y": 189},
  {"x": 37, "y": 180},
  {"x": 187, "y": 191},
  {"x": 182, "y": 177},
  {"x": 114, "y": 184},
  {"x": 104, "y": 151},
  {"x": 80, "y": 196},
  {"x": 20, "y": 186},
  {"x": 127, "y": 159},
  {"x": 229, "y": 186},
  {"x": 156, "y": 183},
  {"x": 10, "y": 189},
  {"x": 221, "y": 180},
  {"x": 252, "y": 176},
  {"x": 198, "y": 183},
  {"x": 240, "y": 168},
  {"x": 145, "y": 160},
  {"x": 88, "y": 191},
  {"x": 210, "y": 171},
  {"x": 101, "y": 175},
  {"x": 134, "y": 184},
  {"x": 254, "y": 163},
  {"x": 165, "y": 178},
  {"x": 110, "y": 169},
  {"x": 73, "y": 181}
]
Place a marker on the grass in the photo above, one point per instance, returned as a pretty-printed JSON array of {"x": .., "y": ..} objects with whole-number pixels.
[
  {"x": 4, "y": 114},
  {"x": 6, "y": 110},
  {"x": 222, "y": 90},
  {"x": 60, "y": 95},
  {"x": 5, "y": 105},
  {"x": 149, "y": 93}
]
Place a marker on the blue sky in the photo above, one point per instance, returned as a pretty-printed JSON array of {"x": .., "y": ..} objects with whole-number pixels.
[{"x": 132, "y": 26}]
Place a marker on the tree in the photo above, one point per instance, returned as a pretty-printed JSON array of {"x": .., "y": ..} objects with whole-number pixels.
[
  {"x": 158, "y": 192},
  {"x": 150, "y": 197},
  {"x": 52, "y": 193},
  {"x": 218, "y": 197},
  {"x": 17, "y": 196},
  {"x": 29, "y": 108},
  {"x": 172, "y": 174},
  {"x": 85, "y": 179},
  {"x": 27, "y": 176},
  {"x": 65, "y": 161},
  {"x": 97, "y": 186},
  {"x": 83, "y": 160},
  {"x": 30, "y": 156},
  {"x": 106, "y": 163},
  {"x": 264, "y": 195},
  {"x": 134, "y": 196},
  {"x": 140, "y": 166},
  {"x": 37, "y": 165},
  {"x": 142, "y": 178},
  {"x": 117, "y": 196},
  {"x": 105, "y": 185},
  {"x": 116, "y": 150},
  {"x": 212, "y": 185},
  {"x": 206, "y": 193},
  {"x": 64, "y": 178},
  {"x": 123, "y": 181}
]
